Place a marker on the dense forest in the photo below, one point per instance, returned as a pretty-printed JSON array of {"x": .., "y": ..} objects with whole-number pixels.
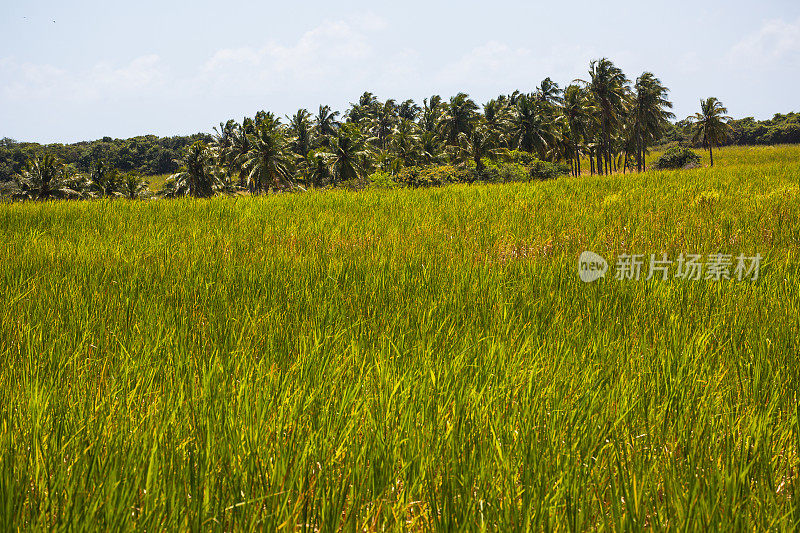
[
  {"x": 605, "y": 122},
  {"x": 147, "y": 155},
  {"x": 780, "y": 129}
]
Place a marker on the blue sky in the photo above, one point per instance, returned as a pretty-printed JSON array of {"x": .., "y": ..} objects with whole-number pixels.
[{"x": 82, "y": 70}]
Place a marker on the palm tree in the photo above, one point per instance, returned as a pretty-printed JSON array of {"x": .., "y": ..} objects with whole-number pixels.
[
  {"x": 241, "y": 144},
  {"x": 495, "y": 113},
  {"x": 316, "y": 168},
  {"x": 408, "y": 110},
  {"x": 301, "y": 130},
  {"x": 649, "y": 114},
  {"x": 222, "y": 144},
  {"x": 405, "y": 142},
  {"x": 430, "y": 148},
  {"x": 608, "y": 86},
  {"x": 576, "y": 110},
  {"x": 363, "y": 109},
  {"x": 348, "y": 152},
  {"x": 431, "y": 112},
  {"x": 549, "y": 92},
  {"x": 44, "y": 178},
  {"x": 196, "y": 177},
  {"x": 133, "y": 186},
  {"x": 710, "y": 126},
  {"x": 458, "y": 117},
  {"x": 530, "y": 128},
  {"x": 382, "y": 122},
  {"x": 476, "y": 145},
  {"x": 326, "y": 123},
  {"x": 269, "y": 160},
  {"x": 104, "y": 180}
]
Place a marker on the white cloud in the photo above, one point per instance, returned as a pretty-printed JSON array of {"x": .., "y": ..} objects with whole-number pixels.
[
  {"x": 28, "y": 81},
  {"x": 497, "y": 63},
  {"x": 776, "y": 43},
  {"x": 333, "y": 52}
]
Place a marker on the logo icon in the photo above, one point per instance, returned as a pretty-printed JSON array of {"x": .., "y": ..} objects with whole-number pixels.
[{"x": 591, "y": 267}]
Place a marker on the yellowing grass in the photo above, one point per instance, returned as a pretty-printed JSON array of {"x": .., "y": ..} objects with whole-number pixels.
[{"x": 406, "y": 359}]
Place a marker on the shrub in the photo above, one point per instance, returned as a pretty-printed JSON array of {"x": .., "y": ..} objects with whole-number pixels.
[
  {"x": 382, "y": 180},
  {"x": 677, "y": 157},
  {"x": 544, "y": 170},
  {"x": 435, "y": 175}
]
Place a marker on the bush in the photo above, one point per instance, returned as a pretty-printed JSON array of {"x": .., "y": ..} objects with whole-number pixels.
[
  {"x": 544, "y": 170},
  {"x": 677, "y": 157},
  {"x": 382, "y": 180},
  {"x": 435, "y": 176}
]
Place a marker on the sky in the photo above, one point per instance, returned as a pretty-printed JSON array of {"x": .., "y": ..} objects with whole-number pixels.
[{"x": 82, "y": 70}]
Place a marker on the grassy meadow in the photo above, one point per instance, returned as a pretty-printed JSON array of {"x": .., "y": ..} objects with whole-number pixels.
[{"x": 406, "y": 359}]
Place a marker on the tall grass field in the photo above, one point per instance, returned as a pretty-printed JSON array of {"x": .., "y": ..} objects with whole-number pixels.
[{"x": 405, "y": 360}]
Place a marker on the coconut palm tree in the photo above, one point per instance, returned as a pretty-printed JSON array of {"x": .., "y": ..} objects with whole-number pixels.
[
  {"x": 431, "y": 112},
  {"x": 325, "y": 124},
  {"x": 711, "y": 125},
  {"x": 196, "y": 177},
  {"x": 268, "y": 163},
  {"x": 45, "y": 178},
  {"x": 608, "y": 86},
  {"x": 530, "y": 128},
  {"x": 316, "y": 168},
  {"x": 382, "y": 122},
  {"x": 133, "y": 187},
  {"x": 408, "y": 110},
  {"x": 476, "y": 145},
  {"x": 650, "y": 115},
  {"x": 458, "y": 117},
  {"x": 348, "y": 152},
  {"x": 104, "y": 180},
  {"x": 430, "y": 148},
  {"x": 549, "y": 92},
  {"x": 301, "y": 131},
  {"x": 222, "y": 144},
  {"x": 576, "y": 110},
  {"x": 496, "y": 115},
  {"x": 405, "y": 142}
]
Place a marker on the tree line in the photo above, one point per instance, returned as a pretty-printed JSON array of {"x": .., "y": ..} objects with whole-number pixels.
[{"x": 605, "y": 121}]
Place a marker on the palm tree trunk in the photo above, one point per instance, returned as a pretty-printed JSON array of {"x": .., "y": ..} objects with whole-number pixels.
[{"x": 711, "y": 154}]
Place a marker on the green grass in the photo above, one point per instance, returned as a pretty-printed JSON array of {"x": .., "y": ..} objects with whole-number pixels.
[{"x": 404, "y": 359}]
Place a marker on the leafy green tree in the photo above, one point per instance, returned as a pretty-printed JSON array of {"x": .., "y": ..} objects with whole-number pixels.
[
  {"x": 711, "y": 125},
  {"x": 406, "y": 142},
  {"x": 316, "y": 168},
  {"x": 222, "y": 145},
  {"x": 496, "y": 115},
  {"x": 549, "y": 93}
]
